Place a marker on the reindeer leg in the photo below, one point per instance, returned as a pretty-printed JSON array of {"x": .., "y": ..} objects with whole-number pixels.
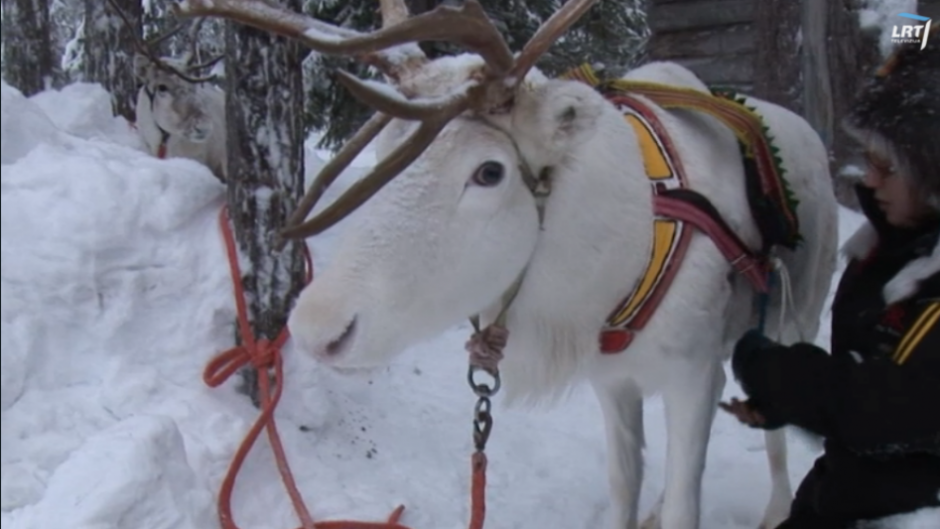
[
  {"x": 622, "y": 405},
  {"x": 781, "y": 493},
  {"x": 691, "y": 401},
  {"x": 654, "y": 519}
]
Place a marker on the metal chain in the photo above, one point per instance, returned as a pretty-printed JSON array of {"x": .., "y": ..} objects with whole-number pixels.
[{"x": 482, "y": 416}]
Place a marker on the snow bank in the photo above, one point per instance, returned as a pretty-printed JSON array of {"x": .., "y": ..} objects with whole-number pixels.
[
  {"x": 162, "y": 489},
  {"x": 101, "y": 247},
  {"x": 90, "y": 117},
  {"x": 23, "y": 125}
]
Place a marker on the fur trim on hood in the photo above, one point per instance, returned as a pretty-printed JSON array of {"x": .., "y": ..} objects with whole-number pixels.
[
  {"x": 907, "y": 282},
  {"x": 897, "y": 114}
]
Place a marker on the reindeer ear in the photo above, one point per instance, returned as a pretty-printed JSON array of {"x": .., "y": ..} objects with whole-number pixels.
[
  {"x": 141, "y": 67},
  {"x": 574, "y": 110},
  {"x": 554, "y": 117}
]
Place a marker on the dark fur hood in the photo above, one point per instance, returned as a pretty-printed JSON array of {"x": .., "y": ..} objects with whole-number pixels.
[{"x": 900, "y": 105}]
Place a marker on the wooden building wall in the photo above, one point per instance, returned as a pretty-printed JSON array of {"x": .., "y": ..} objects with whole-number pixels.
[
  {"x": 717, "y": 39},
  {"x": 809, "y": 56}
]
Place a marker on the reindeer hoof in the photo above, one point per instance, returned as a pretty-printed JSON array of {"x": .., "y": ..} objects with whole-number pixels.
[
  {"x": 777, "y": 512},
  {"x": 653, "y": 522}
]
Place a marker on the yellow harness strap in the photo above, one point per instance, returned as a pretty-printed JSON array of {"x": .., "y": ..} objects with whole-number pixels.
[
  {"x": 666, "y": 232},
  {"x": 670, "y": 236}
]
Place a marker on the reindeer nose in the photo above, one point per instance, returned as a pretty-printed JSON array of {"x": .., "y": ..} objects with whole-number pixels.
[
  {"x": 200, "y": 133},
  {"x": 328, "y": 352}
]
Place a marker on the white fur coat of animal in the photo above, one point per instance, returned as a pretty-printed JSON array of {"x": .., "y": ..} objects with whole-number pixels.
[{"x": 434, "y": 247}]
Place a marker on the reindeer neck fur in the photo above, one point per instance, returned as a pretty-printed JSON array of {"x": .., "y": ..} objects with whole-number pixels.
[
  {"x": 209, "y": 153},
  {"x": 597, "y": 237},
  {"x": 176, "y": 144},
  {"x": 146, "y": 123},
  {"x": 594, "y": 245}
]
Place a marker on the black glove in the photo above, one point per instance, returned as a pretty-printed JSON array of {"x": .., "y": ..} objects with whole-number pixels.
[
  {"x": 747, "y": 355},
  {"x": 746, "y": 351}
]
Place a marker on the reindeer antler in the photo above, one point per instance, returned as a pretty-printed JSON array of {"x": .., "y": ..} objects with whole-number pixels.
[
  {"x": 466, "y": 25},
  {"x": 154, "y": 41},
  {"x": 320, "y": 36},
  {"x": 207, "y": 64},
  {"x": 193, "y": 52},
  {"x": 547, "y": 34},
  {"x": 145, "y": 48}
]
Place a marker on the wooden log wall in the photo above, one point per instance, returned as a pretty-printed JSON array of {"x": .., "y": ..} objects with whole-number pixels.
[
  {"x": 809, "y": 56},
  {"x": 716, "y": 39}
]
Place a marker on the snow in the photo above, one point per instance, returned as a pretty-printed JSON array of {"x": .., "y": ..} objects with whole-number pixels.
[
  {"x": 115, "y": 295},
  {"x": 18, "y": 140},
  {"x": 91, "y": 120},
  {"x": 882, "y": 16}
]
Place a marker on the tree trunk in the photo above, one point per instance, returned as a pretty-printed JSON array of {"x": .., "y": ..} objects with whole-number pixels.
[
  {"x": 837, "y": 56},
  {"x": 853, "y": 56},
  {"x": 264, "y": 110},
  {"x": 109, "y": 51},
  {"x": 817, "y": 95},
  {"x": 779, "y": 80},
  {"x": 29, "y": 61}
]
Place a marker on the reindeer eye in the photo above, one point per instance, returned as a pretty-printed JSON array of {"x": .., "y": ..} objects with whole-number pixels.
[
  {"x": 489, "y": 174},
  {"x": 162, "y": 88}
]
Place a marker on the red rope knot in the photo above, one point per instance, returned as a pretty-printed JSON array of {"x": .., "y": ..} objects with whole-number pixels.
[
  {"x": 486, "y": 348},
  {"x": 262, "y": 355}
]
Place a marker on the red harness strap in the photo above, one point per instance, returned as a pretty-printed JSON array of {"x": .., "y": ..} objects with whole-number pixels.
[
  {"x": 752, "y": 266},
  {"x": 681, "y": 204}
]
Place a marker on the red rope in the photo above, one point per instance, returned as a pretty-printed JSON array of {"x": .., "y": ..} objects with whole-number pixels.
[
  {"x": 263, "y": 354},
  {"x": 478, "y": 491}
]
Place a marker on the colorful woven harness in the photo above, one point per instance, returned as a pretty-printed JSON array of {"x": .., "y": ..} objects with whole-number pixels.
[{"x": 678, "y": 208}]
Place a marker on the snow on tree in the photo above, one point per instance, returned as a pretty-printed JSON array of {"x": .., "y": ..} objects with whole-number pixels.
[
  {"x": 328, "y": 106},
  {"x": 108, "y": 53},
  {"x": 610, "y": 37},
  {"x": 264, "y": 91},
  {"x": 207, "y": 42},
  {"x": 29, "y": 53}
]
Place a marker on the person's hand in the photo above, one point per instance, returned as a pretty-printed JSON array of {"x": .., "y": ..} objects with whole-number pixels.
[
  {"x": 744, "y": 412},
  {"x": 747, "y": 363}
]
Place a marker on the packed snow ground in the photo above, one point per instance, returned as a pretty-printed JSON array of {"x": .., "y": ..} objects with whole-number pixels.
[{"x": 116, "y": 293}]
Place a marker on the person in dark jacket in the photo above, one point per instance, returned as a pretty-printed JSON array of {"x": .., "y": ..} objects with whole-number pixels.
[{"x": 875, "y": 399}]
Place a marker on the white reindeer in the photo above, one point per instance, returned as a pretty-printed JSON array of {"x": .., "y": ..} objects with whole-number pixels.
[
  {"x": 474, "y": 141},
  {"x": 180, "y": 114},
  {"x": 177, "y": 118}
]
